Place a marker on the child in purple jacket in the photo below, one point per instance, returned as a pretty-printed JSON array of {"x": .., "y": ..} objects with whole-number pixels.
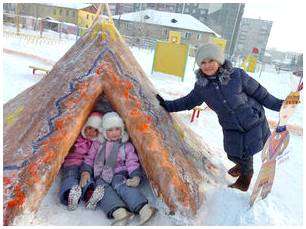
[
  {"x": 70, "y": 190},
  {"x": 116, "y": 171}
]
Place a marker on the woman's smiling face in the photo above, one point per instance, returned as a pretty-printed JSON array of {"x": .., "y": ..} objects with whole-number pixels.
[{"x": 209, "y": 67}]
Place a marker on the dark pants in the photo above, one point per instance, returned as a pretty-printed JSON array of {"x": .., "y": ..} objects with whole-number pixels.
[
  {"x": 70, "y": 176},
  {"x": 246, "y": 163},
  {"x": 119, "y": 195}
]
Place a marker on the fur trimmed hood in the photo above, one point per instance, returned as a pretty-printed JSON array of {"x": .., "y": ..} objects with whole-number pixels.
[
  {"x": 223, "y": 74},
  {"x": 95, "y": 121},
  {"x": 112, "y": 120}
]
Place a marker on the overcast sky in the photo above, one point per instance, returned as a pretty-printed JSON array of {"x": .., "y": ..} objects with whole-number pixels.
[{"x": 288, "y": 18}]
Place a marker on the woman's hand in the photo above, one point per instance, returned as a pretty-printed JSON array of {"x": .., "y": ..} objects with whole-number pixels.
[
  {"x": 161, "y": 101},
  {"x": 85, "y": 176}
]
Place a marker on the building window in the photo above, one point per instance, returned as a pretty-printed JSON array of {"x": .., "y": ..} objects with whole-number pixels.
[
  {"x": 187, "y": 35},
  {"x": 54, "y": 12},
  {"x": 60, "y": 12},
  {"x": 242, "y": 37},
  {"x": 199, "y": 36},
  {"x": 73, "y": 13},
  {"x": 87, "y": 16},
  {"x": 67, "y": 13},
  {"x": 264, "y": 27},
  {"x": 165, "y": 32}
]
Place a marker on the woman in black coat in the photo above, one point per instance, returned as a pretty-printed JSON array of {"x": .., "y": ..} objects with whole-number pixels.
[{"x": 238, "y": 101}]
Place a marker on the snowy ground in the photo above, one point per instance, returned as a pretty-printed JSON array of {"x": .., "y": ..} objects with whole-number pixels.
[{"x": 224, "y": 206}]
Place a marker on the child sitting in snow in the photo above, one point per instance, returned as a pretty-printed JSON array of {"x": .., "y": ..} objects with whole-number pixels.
[
  {"x": 70, "y": 190},
  {"x": 117, "y": 174}
]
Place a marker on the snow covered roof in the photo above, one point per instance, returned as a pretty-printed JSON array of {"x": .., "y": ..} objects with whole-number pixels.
[
  {"x": 176, "y": 20},
  {"x": 50, "y": 19},
  {"x": 71, "y": 5},
  {"x": 91, "y": 9}
]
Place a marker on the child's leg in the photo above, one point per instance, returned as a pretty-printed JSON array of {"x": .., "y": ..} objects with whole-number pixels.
[
  {"x": 74, "y": 197},
  {"x": 88, "y": 190},
  {"x": 96, "y": 196},
  {"x": 110, "y": 201},
  {"x": 132, "y": 196},
  {"x": 70, "y": 178}
]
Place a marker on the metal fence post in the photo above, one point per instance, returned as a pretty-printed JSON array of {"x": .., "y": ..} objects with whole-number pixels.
[{"x": 41, "y": 23}]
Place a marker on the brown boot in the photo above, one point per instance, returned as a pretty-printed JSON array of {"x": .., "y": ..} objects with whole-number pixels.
[
  {"x": 235, "y": 171},
  {"x": 243, "y": 182}
]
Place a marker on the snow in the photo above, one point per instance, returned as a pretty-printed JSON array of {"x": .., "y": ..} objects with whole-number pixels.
[
  {"x": 18, "y": 79},
  {"x": 223, "y": 206},
  {"x": 70, "y": 5},
  {"x": 48, "y": 35},
  {"x": 183, "y": 21}
]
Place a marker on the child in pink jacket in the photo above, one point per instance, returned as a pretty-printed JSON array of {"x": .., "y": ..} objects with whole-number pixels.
[
  {"x": 117, "y": 174},
  {"x": 70, "y": 190}
]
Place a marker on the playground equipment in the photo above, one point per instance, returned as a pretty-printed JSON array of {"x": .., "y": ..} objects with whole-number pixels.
[
  {"x": 250, "y": 61},
  {"x": 36, "y": 39},
  {"x": 196, "y": 112},
  {"x": 171, "y": 57},
  {"x": 34, "y": 69},
  {"x": 219, "y": 41}
]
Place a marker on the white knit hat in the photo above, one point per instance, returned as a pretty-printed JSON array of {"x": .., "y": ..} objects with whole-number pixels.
[
  {"x": 113, "y": 120},
  {"x": 95, "y": 121},
  {"x": 209, "y": 51}
]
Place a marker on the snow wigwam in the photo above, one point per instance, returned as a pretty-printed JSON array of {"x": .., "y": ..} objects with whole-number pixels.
[{"x": 54, "y": 110}]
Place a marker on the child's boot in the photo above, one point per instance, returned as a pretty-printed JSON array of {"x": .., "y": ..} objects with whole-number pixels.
[
  {"x": 88, "y": 194},
  {"x": 73, "y": 197},
  {"x": 121, "y": 217},
  {"x": 146, "y": 212},
  {"x": 96, "y": 196}
]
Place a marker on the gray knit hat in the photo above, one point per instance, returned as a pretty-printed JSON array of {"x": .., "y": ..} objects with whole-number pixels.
[{"x": 209, "y": 51}]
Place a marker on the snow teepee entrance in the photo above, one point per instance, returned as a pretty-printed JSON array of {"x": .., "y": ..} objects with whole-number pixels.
[{"x": 42, "y": 123}]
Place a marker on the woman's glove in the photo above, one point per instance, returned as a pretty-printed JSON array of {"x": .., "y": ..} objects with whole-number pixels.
[
  {"x": 85, "y": 176},
  {"x": 161, "y": 101},
  {"x": 133, "y": 182}
]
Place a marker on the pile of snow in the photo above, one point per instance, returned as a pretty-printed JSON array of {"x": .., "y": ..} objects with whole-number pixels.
[{"x": 223, "y": 206}]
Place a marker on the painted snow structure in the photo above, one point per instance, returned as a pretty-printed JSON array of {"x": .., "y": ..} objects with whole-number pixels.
[{"x": 42, "y": 123}]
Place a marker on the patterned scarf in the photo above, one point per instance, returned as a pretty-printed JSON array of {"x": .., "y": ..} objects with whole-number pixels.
[{"x": 104, "y": 167}]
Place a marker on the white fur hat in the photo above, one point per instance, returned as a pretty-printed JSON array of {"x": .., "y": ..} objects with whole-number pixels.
[
  {"x": 209, "y": 51},
  {"x": 95, "y": 121},
  {"x": 113, "y": 120}
]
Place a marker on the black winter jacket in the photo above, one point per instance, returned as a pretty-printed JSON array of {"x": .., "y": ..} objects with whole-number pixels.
[{"x": 238, "y": 101}]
